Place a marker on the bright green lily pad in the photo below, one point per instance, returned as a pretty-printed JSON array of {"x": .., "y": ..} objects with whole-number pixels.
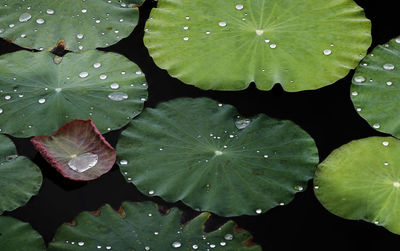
[
  {"x": 20, "y": 178},
  {"x": 361, "y": 180},
  {"x": 139, "y": 226},
  {"x": 193, "y": 150},
  {"x": 376, "y": 88},
  {"x": 16, "y": 235},
  {"x": 225, "y": 44},
  {"x": 81, "y": 25},
  {"x": 38, "y": 95}
]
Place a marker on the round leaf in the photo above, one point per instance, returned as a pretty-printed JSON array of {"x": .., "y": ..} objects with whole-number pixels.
[
  {"x": 198, "y": 151},
  {"x": 225, "y": 45},
  {"x": 361, "y": 180},
  {"x": 20, "y": 178},
  {"x": 376, "y": 88},
  {"x": 37, "y": 98},
  {"x": 16, "y": 235},
  {"x": 77, "y": 24},
  {"x": 139, "y": 226},
  {"x": 77, "y": 150}
]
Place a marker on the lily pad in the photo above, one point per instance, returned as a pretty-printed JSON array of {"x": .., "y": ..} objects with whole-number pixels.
[
  {"x": 139, "y": 226},
  {"x": 39, "y": 92},
  {"x": 77, "y": 150},
  {"x": 16, "y": 235},
  {"x": 204, "y": 154},
  {"x": 20, "y": 178},
  {"x": 361, "y": 180},
  {"x": 376, "y": 88},
  {"x": 76, "y": 24},
  {"x": 225, "y": 44}
]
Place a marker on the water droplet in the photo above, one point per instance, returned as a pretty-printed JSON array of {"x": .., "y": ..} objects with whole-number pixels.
[
  {"x": 50, "y": 11},
  {"x": 83, "y": 162},
  {"x": 25, "y": 17},
  {"x": 98, "y": 246},
  {"x": 259, "y": 32},
  {"x": 40, "y": 21},
  {"x": 218, "y": 153},
  {"x": 272, "y": 46},
  {"x": 386, "y": 163},
  {"x": 259, "y": 211},
  {"x": 118, "y": 96},
  {"x": 316, "y": 187},
  {"x": 208, "y": 33},
  {"x": 155, "y": 233},
  {"x": 185, "y": 27},
  {"x": 187, "y": 18},
  {"x": 267, "y": 41},
  {"x": 212, "y": 245},
  {"x": 108, "y": 247},
  {"x": 42, "y": 100},
  {"x": 396, "y": 184},
  {"x": 83, "y": 74},
  {"x": 376, "y": 126},
  {"x": 195, "y": 247},
  {"x": 222, "y": 24},
  {"x": 81, "y": 243},
  {"x": 186, "y": 38},
  {"x": 96, "y": 65},
  {"x": 103, "y": 76},
  {"x": 58, "y": 90},
  {"x": 398, "y": 40},
  {"x": 327, "y": 52},
  {"x": 359, "y": 79},
  {"x": 8, "y": 97},
  {"x": 84, "y": 10},
  {"x": 176, "y": 244},
  {"x": 123, "y": 162},
  {"x": 1, "y": 110},
  {"x": 385, "y": 143},
  {"x": 151, "y": 192},
  {"x": 242, "y": 123},
  {"x": 298, "y": 188},
  {"x": 388, "y": 67},
  {"x": 265, "y": 156},
  {"x": 11, "y": 25},
  {"x": 239, "y": 7},
  {"x": 354, "y": 93},
  {"x": 114, "y": 86},
  {"x": 79, "y": 36},
  {"x": 147, "y": 248},
  {"x": 228, "y": 237}
]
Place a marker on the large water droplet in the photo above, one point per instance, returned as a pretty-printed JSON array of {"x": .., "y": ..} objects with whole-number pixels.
[
  {"x": 385, "y": 143},
  {"x": 195, "y": 247},
  {"x": 50, "y": 11},
  {"x": 96, "y": 65},
  {"x": 103, "y": 76},
  {"x": 83, "y": 162},
  {"x": 259, "y": 32},
  {"x": 239, "y": 7},
  {"x": 327, "y": 52},
  {"x": 123, "y": 162},
  {"x": 359, "y": 79},
  {"x": 42, "y": 100},
  {"x": 25, "y": 17},
  {"x": 242, "y": 123},
  {"x": 79, "y": 36},
  {"x": 1, "y": 110},
  {"x": 258, "y": 211},
  {"x": 114, "y": 86},
  {"x": 118, "y": 96},
  {"x": 40, "y": 21},
  {"x": 228, "y": 237},
  {"x": 272, "y": 46},
  {"x": 83, "y": 74},
  {"x": 388, "y": 67},
  {"x": 176, "y": 244},
  {"x": 81, "y": 243},
  {"x": 222, "y": 24}
]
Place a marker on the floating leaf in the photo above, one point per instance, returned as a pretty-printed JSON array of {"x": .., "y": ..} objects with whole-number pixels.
[
  {"x": 139, "y": 226},
  {"x": 198, "y": 151},
  {"x": 77, "y": 150},
  {"x": 376, "y": 87},
  {"x": 38, "y": 95},
  {"x": 225, "y": 45},
  {"x": 20, "y": 178},
  {"x": 76, "y": 24},
  {"x": 361, "y": 180},
  {"x": 16, "y": 235}
]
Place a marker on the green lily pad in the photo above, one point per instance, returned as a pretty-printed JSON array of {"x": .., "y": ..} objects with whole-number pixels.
[
  {"x": 225, "y": 44},
  {"x": 16, "y": 235},
  {"x": 20, "y": 178},
  {"x": 204, "y": 154},
  {"x": 77, "y": 24},
  {"x": 38, "y": 98},
  {"x": 376, "y": 88},
  {"x": 139, "y": 226},
  {"x": 361, "y": 180}
]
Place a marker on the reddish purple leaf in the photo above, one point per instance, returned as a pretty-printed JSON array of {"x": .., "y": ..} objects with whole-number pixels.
[{"x": 77, "y": 150}]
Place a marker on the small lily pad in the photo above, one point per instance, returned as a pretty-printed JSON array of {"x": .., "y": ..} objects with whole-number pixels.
[
  {"x": 20, "y": 178},
  {"x": 77, "y": 25},
  {"x": 140, "y": 226},
  {"x": 77, "y": 150},
  {"x": 40, "y": 92},
  {"x": 361, "y": 181},
  {"x": 16, "y": 235},
  {"x": 376, "y": 88},
  {"x": 204, "y": 154},
  {"x": 225, "y": 44}
]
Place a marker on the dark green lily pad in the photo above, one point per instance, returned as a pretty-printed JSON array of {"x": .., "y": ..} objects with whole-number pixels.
[
  {"x": 20, "y": 178},
  {"x": 16, "y": 235},
  {"x": 376, "y": 88},
  {"x": 200, "y": 152},
  {"x": 77, "y": 24},
  {"x": 225, "y": 44},
  {"x": 139, "y": 226},
  {"x": 40, "y": 93},
  {"x": 361, "y": 181}
]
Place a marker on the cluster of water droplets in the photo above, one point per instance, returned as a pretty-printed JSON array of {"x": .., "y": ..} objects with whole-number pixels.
[{"x": 82, "y": 244}]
